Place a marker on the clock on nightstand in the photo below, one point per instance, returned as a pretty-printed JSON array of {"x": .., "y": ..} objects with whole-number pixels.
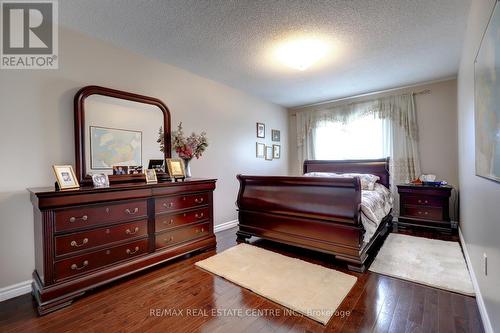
[{"x": 425, "y": 206}]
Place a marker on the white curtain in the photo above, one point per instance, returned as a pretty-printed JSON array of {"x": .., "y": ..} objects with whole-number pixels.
[{"x": 400, "y": 132}]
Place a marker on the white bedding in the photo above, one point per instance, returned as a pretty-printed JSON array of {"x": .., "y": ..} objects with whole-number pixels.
[
  {"x": 376, "y": 200},
  {"x": 375, "y": 205}
]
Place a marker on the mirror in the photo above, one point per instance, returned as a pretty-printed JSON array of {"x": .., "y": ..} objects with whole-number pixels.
[{"x": 117, "y": 129}]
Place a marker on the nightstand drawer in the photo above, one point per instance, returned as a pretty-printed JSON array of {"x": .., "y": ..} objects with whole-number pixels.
[
  {"x": 423, "y": 200},
  {"x": 421, "y": 212}
]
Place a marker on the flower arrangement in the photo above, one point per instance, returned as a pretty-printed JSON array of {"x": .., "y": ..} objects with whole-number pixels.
[{"x": 186, "y": 147}]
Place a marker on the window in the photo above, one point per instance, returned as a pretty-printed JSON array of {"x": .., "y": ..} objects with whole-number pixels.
[{"x": 364, "y": 135}]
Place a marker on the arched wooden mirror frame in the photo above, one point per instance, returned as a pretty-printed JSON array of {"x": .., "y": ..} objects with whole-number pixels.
[{"x": 79, "y": 104}]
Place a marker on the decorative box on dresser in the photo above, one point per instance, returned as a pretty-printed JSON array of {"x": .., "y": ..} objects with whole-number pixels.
[
  {"x": 425, "y": 206},
  {"x": 88, "y": 237}
]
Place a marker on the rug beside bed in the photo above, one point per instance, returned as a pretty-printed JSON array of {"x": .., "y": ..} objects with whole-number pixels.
[
  {"x": 309, "y": 289},
  {"x": 432, "y": 262}
]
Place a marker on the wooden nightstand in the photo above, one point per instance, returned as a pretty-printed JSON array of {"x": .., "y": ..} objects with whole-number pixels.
[{"x": 425, "y": 206}]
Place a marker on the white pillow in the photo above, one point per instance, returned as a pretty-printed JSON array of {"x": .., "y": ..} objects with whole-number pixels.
[{"x": 367, "y": 180}]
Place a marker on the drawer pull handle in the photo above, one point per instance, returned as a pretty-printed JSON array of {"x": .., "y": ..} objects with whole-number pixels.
[
  {"x": 425, "y": 201},
  {"x": 168, "y": 205},
  {"x": 198, "y": 230},
  {"x": 74, "y": 219},
  {"x": 426, "y": 213},
  {"x": 132, "y": 212},
  {"x": 130, "y": 232},
  {"x": 169, "y": 240},
  {"x": 75, "y": 244},
  {"x": 198, "y": 200},
  {"x": 169, "y": 222},
  {"x": 420, "y": 213},
  {"x": 76, "y": 268},
  {"x": 199, "y": 216},
  {"x": 129, "y": 251}
]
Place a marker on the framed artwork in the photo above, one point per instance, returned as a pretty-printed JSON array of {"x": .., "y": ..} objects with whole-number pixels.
[
  {"x": 275, "y": 135},
  {"x": 261, "y": 130},
  {"x": 260, "y": 150},
  {"x": 100, "y": 180},
  {"x": 269, "y": 153},
  {"x": 65, "y": 176},
  {"x": 156, "y": 164},
  {"x": 111, "y": 146},
  {"x": 120, "y": 170},
  {"x": 487, "y": 100},
  {"x": 276, "y": 151},
  {"x": 151, "y": 176},
  {"x": 176, "y": 168}
]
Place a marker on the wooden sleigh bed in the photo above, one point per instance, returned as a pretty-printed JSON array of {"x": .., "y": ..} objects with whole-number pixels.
[{"x": 317, "y": 213}]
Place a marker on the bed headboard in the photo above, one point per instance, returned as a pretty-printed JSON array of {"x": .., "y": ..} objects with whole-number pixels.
[{"x": 378, "y": 167}]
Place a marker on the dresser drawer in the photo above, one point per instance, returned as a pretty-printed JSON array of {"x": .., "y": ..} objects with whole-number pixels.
[
  {"x": 427, "y": 213},
  {"x": 82, "y": 217},
  {"x": 177, "y": 236},
  {"x": 423, "y": 200},
  {"x": 87, "y": 262},
  {"x": 168, "y": 221},
  {"x": 88, "y": 239},
  {"x": 173, "y": 203}
]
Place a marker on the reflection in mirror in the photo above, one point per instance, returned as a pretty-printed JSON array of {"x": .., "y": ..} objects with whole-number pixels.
[{"x": 120, "y": 132}]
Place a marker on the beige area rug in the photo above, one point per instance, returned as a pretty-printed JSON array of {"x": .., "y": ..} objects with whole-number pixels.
[
  {"x": 309, "y": 289},
  {"x": 432, "y": 262}
]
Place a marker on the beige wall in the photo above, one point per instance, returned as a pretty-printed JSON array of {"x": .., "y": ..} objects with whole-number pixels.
[
  {"x": 437, "y": 121},
  {"x": 36, "y": 126},
  {"x": 480, "y": 198}
]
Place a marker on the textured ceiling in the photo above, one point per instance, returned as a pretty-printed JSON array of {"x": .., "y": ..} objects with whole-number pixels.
[{"x": 377, "y": 44}]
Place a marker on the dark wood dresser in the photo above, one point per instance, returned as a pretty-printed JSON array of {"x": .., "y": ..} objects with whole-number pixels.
[
  {"x": 88, "y": 237},
  {"x": 425, "y": 206}
]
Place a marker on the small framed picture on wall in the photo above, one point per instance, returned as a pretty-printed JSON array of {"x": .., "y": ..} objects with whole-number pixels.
[
  {"x": 275, "y": 135},
  {"x": 269, "y": 153},
  {"x": 260, "y": 150},
  {"x": 276, "y": 151},
  {"x": 261, "y": 130}
]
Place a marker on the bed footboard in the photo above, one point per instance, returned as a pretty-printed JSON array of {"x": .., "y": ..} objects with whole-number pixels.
[{"x": 321, "y": 214}]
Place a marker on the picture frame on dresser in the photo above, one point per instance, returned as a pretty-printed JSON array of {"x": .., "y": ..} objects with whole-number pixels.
[{"x": 65, "y": 177}]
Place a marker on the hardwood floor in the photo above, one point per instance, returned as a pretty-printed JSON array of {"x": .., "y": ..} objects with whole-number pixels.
[{"x": 176, "y": 297}]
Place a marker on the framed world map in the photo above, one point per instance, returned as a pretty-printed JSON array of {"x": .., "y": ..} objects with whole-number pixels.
[
  {"x": 111, "y": 146},
  {"x": 487, "y": 101}
]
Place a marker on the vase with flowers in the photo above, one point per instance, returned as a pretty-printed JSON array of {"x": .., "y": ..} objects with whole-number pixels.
[{"x": 186, "y": 147}]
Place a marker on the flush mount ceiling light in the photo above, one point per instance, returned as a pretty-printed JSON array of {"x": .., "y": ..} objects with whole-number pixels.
[{"x": 301, "y": 53}]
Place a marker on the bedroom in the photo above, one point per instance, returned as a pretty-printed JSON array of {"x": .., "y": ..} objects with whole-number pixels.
[{"x": 218, "y": 67}]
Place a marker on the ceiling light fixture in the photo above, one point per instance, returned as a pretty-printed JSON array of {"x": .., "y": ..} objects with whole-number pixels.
[{"x": 301, "y": 53}]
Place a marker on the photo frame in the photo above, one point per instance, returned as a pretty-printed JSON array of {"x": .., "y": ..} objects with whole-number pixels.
[
  {"x": 276, "y": 151},
  {"x": 158, "y": 165},
  {"x": 269, "y": 153},
  {"x": 120, "y": 170},
  {"x": 100, "y": 180},
  {"x": 135, "y": 170},
  {"x": 65, "y": 176},
  {"x": 260, "y": 150},
  {"x": 176, "y": 168},
  {"x": 275, "y": 135},
  {"x": 151, "y": 176},
  {"x": 261, "y": 130}
]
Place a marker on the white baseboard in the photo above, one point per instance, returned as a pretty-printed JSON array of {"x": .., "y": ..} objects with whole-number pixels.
[
  {"x": 225, "y": 225},
  {"x": 479, "y": 298},
  {"x": 15, "y": 290}
]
